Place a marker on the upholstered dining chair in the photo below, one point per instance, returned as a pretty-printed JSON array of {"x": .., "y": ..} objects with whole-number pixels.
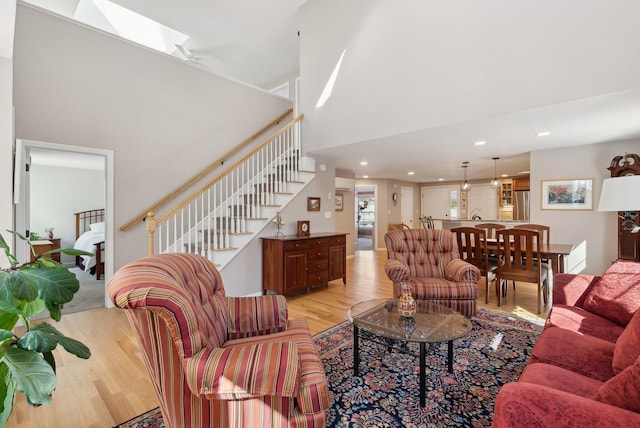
[
  {"x": 519, "y": 260},
  {"x": 429, "y": 262},
  {"x": 472, "y": 245},
  {"x": 218, "y": 361}
]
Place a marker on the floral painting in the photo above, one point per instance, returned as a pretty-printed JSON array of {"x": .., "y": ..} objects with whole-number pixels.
[{"x": 567, "y": 194}]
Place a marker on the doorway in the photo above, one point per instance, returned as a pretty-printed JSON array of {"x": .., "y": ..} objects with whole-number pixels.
[
  {"x": 406, "y": 206},
  {"x": 366, "y": 213},
  {"x": 49, "y": 190}
]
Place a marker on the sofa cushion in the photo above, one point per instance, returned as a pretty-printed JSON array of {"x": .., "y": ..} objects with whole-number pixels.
[
  {"x": 627, "y": 348},
  {"x": 617, "y": 295},
  {"x": 622, "y": 390},
  {"x": 583, "y": 354},
  {"x": 583, "y": 321},
  {"x": 561, "y": 379}
]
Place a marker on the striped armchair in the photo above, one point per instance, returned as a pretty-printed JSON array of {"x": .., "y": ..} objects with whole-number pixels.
[
  {"x": 218, "y": 361},
  {"x": 429, "y": 261}
]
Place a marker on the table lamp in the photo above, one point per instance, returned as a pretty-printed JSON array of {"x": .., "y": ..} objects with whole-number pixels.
[{"x": 622, "y": 194}]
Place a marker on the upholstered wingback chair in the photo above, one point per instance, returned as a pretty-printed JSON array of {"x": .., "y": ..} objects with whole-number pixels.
[
  {"x": 218, "y": 361},
  {"x": 429, "y": 261}
]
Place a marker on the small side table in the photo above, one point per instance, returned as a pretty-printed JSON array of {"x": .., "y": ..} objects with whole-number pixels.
[{"x": 47, "y": 245}]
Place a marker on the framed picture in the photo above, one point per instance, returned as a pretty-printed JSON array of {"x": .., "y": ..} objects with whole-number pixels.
[
  {"x": 339, "y": 201},
  {"x": 313, "y": 204},
  {"x": 567, "y": 194}
]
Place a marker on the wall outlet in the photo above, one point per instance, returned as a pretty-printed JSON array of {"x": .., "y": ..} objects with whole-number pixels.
[{"x": 327, "y": 214}]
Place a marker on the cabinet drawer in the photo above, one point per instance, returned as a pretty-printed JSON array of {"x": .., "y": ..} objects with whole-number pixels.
[
  {"x": 296, "y": 245},
  {"x": 338, "y": 240},
  {"x": 318, "y": 243},
  {"x": 318, "y": 253},
  {"x": 317, "y": 278},
  {"x": 318, "y": 265}
]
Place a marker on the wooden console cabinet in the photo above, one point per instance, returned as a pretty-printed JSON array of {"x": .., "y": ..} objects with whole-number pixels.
[{"x": 300, "y": 262}]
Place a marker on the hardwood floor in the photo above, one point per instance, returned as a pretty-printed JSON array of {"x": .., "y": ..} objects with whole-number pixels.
[{"x": 113, "y": 386}]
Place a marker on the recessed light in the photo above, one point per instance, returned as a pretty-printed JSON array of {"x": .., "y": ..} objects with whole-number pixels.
[
  {"x": 364, "y": 163},
  {"x": 440, "y": 179},
  {"x": 365, "y": 176},
  {"x": 479, "y": 143},
  {"x": 411, "y": 173},
  {"x": 543, "y": 134},
  {"x": 504, "y": 175}
]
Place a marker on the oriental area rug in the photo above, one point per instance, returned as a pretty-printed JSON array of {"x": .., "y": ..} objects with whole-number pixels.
[{"x": 386, "y": 392}]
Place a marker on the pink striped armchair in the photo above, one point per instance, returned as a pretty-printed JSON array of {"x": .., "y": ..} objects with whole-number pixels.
[
  {"x": 429, "y": 261},
  {"x": 218, "y": 361}
]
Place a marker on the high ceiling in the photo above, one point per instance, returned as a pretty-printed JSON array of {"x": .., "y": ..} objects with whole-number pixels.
[{"x": 257, "y": 42}]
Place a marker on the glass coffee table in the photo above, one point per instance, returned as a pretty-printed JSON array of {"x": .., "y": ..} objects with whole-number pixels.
[{"x": 432, "y": 323}]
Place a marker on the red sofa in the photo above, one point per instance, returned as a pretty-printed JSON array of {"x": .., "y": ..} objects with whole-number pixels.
[{"x": 584, "y": 370}]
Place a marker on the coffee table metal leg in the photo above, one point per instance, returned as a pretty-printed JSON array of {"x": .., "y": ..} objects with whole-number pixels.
[
  {"x": 423, "y": 374},
  {"x": 450, "y": 356},
  {"x": 356, "y": 356}
]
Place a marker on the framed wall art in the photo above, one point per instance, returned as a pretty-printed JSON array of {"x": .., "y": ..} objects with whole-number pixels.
[
  {"x": 313, "y": 204},
  {"x": 339, "y": 201},
  {"x": 567, "y": 194}
]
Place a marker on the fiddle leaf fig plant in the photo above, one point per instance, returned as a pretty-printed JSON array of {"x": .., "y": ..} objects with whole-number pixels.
[{"x": 27, "y": 362}]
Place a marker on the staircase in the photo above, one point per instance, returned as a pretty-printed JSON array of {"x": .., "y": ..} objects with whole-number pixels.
[{"x": 228, "y": 212}]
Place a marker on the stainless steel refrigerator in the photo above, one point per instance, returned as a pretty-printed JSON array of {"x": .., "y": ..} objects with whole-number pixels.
[{"x": 521, "y": 205}]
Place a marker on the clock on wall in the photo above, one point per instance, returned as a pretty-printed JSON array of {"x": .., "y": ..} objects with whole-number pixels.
[
  {"x": 303, "y": 228},
  {"x": 395, "y": 198}
]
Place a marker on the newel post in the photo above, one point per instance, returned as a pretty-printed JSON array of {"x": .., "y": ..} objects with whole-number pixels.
[{"x": 151, "y": 229}]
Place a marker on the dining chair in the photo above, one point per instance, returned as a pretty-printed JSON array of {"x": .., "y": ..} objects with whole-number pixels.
[
  {"x": 519, "y": 260},
  {"x": 427, "y": 222},
  {"x": 490, "y": 228},
  {"x": 544, "y": 230},
  {"x": 472, "y": 246}
]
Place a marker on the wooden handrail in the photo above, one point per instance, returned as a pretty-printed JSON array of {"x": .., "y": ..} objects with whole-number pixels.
[
  {"x": 223, "y": 173},
  {"x": 203, "y": 172}
]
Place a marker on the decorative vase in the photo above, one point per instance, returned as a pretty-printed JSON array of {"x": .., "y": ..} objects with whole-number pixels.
[{"x": 406, "y": 305}]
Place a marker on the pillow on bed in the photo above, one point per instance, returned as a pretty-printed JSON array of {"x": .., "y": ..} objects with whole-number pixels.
[{"x": 97, "y": 227}]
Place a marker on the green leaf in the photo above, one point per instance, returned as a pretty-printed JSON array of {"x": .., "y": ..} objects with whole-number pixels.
[
  {"x": 38, "y": 341},
  {"x": 48, "y": 357},
  {"x": 71, "y": 252},
  {"x": 45, "y": 262},
  {"x": 21, "y": 287},
  {"x": 33, "y": 308},
  {"x": 9, "y": 309},
  {"x": 33, "y": 376},
  {"x": 8, "y": 321},
  {"x": 7, "y": 392},
  {"x": 72, "y": 346},
  {"x": 7, "y": 251},
  {"x": 56, "y": 285},
  {"x": 55, "y": 311},
  {"x": 6, "y": 336}
]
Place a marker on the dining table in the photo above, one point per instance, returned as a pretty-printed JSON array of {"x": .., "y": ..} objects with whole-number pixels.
[{"x": 555, "y": 253}]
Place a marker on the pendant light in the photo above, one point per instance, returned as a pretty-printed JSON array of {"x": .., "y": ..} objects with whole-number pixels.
[
  {"x": 495, "y": 183},
  {"x": 465, "y": 185}
]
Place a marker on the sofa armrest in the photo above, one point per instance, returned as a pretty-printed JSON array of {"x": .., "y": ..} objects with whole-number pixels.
[
  {"x": 396, "y": 270},
  {"x": 457, "y": 270},
  {"x": 521, "y": 404},
  {"x": 256, "y": 316},
  {"x": 262, "y": 369},
  {"x": 571, "y": 289}
]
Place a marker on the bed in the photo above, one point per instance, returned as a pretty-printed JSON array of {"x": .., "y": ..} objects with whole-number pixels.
[{"x": 90, "y": 237}]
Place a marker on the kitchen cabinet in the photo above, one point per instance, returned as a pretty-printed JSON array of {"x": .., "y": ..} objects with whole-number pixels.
[
  {"x": 520, "y": 184},
  {"x": 506, "y": 193},
  {"x": 294, "y": 262}
]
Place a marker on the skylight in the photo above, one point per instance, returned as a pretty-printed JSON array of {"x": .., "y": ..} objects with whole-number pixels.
[{"x": 127, "y": 24}]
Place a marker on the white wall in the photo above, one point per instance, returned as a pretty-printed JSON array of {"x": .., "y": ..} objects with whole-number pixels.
[
  {"x": 56, "y": 194},
  {"x": 163, "y": 119},
  {"x": 6, "y": 151},
  {"x": 593, "y": 233},
  {"x": 395, "y": 77}
]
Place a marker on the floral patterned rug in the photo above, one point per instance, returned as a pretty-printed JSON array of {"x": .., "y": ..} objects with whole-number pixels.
[{"x": 386, "y": 393}]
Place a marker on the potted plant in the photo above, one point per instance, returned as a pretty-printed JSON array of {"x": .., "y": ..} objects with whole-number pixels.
[{"x": 27, "y": 362}]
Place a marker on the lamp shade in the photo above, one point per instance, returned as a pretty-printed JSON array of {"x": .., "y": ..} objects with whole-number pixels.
[{"x": 620, "y": 194}]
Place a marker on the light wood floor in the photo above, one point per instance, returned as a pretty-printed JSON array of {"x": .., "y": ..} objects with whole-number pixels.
[{"x": 113, "y": 385}]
